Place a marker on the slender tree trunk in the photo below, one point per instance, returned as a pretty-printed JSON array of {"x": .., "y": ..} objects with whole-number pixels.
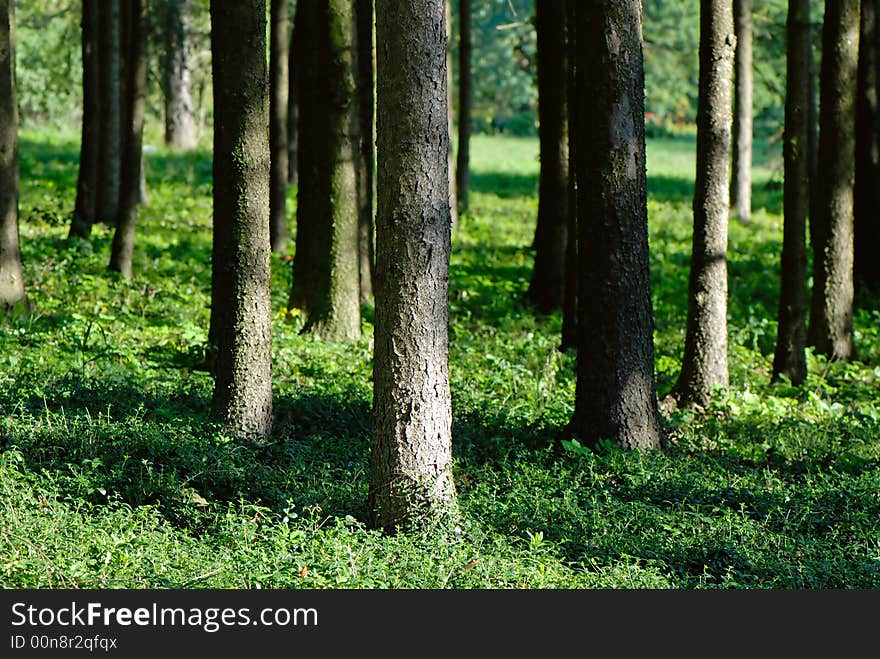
[
  {"x": 791, "y": 338},
  {"x": 326, "y": 282},
  {"x": 450, "y": 107},
  {"x": 110, "y": 153},
  {"x": 87, "y": 179},
  {"x": 180, "y": 124},
  {"x": 570, "y": 292},
  {"x": 551, "y": 235},
  {"x": 866, "y": 267},
  {"x": 741, "y": 179},
  {"x": 292, "y": 107},
  {"x": 832, "y": 298},
  {"x": 813, "y": 137},
  {"x": 12, "y": 291},
  {"x": 366, "y": 164},
  {"x": 242, "y": 399},
  {"x": 616, "y": 396},
  {"x": 278, "y": 142},
  {"x": 462, "y": 167},
  {"x": 132, "y": 157},
  {"x": 704, "y": 366},
  {"x": 411, "y": 458}
]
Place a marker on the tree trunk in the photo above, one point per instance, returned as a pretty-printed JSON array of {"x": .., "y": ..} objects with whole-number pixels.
[
  {"x": 704, "y": 366},
  {"x": 570, "y": 293},
  {"x": 450, "y": 106},
  {"x": 545, "y": 291},
  {"x": 366, "y": 164},
  {"x": 84, "y": 212},
  {"x": 411, "y": 458},
  {"x": 462, "y": 165},
  {"x": 790, "y": 358},
  {"x": 110, "y": 153},
  {"x": 832, "y": 298},
  {"x": 292, "y": 107},
  {"x": 132, "y": 156},
  {"x": 616, "y": 396},
  {"x": 813, "y": 144},
  {"x": 326, "y": 282},
  {"x": 278, "y": 143},
  {"x": 741, "y": 179},
  {"x": 11, "y": 279},
  {"x": 180, "y": 125},
  {"x": 240, "y": 302},
  {"x": 866, "y": 267}
]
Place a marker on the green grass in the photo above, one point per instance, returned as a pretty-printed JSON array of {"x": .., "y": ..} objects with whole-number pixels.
[{"x": 112, "y": 476}]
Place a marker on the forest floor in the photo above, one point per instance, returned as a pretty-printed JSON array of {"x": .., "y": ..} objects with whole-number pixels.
[{"x": 111, "y": 475}]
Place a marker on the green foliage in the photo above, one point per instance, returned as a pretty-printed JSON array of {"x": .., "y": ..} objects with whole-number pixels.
[{"x": 112, "y": 476}]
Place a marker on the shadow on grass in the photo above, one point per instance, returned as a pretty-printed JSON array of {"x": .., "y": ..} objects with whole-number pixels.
[{"x": 504, "y": 184}]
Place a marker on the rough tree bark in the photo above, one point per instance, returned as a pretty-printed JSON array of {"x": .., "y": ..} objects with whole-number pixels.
[
  {"x": 704, "y": 365},
  {"x": 278, "y": 140},
  {"x": 366, "y": 164},
  {"x": 462, "y": 160},
  {"x": 545, "y": 290},
  {"x": 831, "y": 309},
  {"x": 84, "y": 211},
  {"x": 122, "y": 249},
  {"x": 411, "y": 459},
  {"x": 240, "y": 293},
  {"x": 791, "y": 337},
  {"x": 180, "y": 124},
  {"x": 741, "y": 172},
  {"x": 866, "y": 227},
  {"x": 12, "y": 292},
  {"x": 326, "y": 283},
  {"x": 110, "y": 151},
  {"x": 616, "y": 396}
]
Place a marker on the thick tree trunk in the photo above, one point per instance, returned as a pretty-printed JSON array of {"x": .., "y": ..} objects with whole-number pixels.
[
  {"x": 545, "y": 291},
  {"x": 791, "y": 338},
  {"x": 240, "y": 302},
  {"x": 12, "y": 291},
  {"x": 741, "y": 178},
  {"x": 132, "y": 156},
  {"x": 616, "y": 396},
  {"x": 866, "y": 267},
  {"x": 570, "y": 292},
  {"x": 704, "y": 366},
  {"x": 180, "y": 124},
  {"x": 366, "y": 164},
  {"x": 832, "y": 298},
  {"x": 84, "y": 212},
  {"x": 326, "y": 282},
  {"x": 462, "y": 161},
  {"x": 278, "y": 143},
  {"x": 411, "y": 459},
  {"x": 110, "y": 152}
]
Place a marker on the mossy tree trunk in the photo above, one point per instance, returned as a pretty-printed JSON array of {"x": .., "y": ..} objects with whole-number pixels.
[
  {"x": 411, "y": 458},
  {"x": 741, "y": 169},
  {"x": 831, "y": 312},
  {"x": 616, "y": 396},
  {"x": 366, "y": 164},
  {"x": 704, "y": 365},
  {"x": 84, "y": 212},
  {"x": 278, "y": 108},
  {"x": 545, "y": 290},
  {"x": 866, "y": 227},
  {"x": 240, "y": 293},
  {"x": 122, "y": 249},
  {"x": 791, "y": 337},
  {"x": 12, "y": 292},
  {"x": 326, "y": 281}
]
